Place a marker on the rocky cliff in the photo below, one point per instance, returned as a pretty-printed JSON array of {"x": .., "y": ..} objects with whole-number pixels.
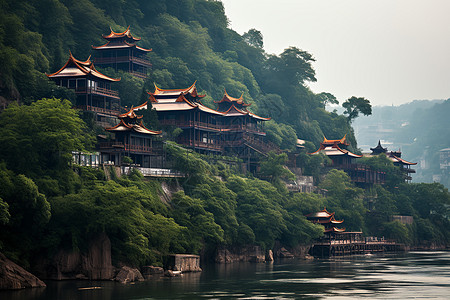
[
  {"x": 13, "y": 276},
  {"x": 95, "y": 264}
]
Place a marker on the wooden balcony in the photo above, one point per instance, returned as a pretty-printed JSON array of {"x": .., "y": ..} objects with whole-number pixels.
[
  {"x": 111, "y": 112},
  {"x": 190, "y": 124},
  {"x": 202, "y": 145},
  {"x": 98, "y": 91},
  {"x": 363, "y": 174},
  {"x": 122, "y": 59},
  {"x": 139, "y": 74},
  {"x": 121, "y": 147},
  {"x": 263, "y": 146},
  {"x": 215, "y": 127}
]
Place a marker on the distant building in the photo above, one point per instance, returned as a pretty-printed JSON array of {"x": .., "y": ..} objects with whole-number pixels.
[
  {"x": 122, "y": 53},
  {"x": 444, "y": 166},
  {"x": 328, "y": 221},
  {"x": 93, "y": 89},
  {"x": 345, "y": 160},
  {"x": 395, "y": 157}
]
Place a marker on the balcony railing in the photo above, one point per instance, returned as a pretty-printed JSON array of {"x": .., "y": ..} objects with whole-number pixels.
[
  {"x": 131, "y": 148},
  {"x": 122, "y": 59},
  {"x": 112, "y": 112},
  {"x": 139, "y": 74},
  {"x": 363, "y": 173},
  {"x": 198, "y": 144},
  {"x": 154, "y": 172},
  {"x": 265, "y": 146},
  {"x": 216, "y": 127},
  {"x": 97, "y": 91}
]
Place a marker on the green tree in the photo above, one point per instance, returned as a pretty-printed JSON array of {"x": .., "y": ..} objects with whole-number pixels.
[
  {"x": 24, "y": 212},
  {"x": 345, "y": 199},
  {"x": 356, "y": 105},
  {"x": 41, "y": 136},
  {"x": 274, "y": 168},
  {"x": 327, "y": 98},
  {"x": 254, "y": 38}
]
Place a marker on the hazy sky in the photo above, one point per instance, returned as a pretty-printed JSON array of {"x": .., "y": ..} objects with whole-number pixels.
[{"x": 388, "y": 51}]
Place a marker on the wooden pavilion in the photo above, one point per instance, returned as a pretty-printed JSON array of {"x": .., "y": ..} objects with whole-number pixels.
[
  {"x": 93, "y": 89},
  {"x": 345, "y": 160},
  {"x": 122, "y": 53},
  {"x": 133, "y": 139},
  {"x": 396, "y": 158}
]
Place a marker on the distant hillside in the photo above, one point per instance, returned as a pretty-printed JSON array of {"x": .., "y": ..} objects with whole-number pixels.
[{"x": 419, "y": 129}]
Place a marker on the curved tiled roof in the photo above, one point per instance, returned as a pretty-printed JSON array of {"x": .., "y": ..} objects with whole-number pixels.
[
  {"x": 234, "y": 111},
  {"x": 342, "y": 141},
  {"x": 75, "y": 67},
  {"x": 115, "y": 35},
  {"x": 139, "y": 128},
  {"x": 397, "y": 159},
  {"x": 331, "y": 148},
  {"x": 175, "y": 92},
  {"x": 228, "y": 98},
  {"x": 125, "y": 44},
  {"x": 320, "y": 214},
  {"x": 130, "y": 114}
]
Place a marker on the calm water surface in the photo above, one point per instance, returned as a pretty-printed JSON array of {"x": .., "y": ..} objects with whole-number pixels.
[{"x": 416, "y": 275}]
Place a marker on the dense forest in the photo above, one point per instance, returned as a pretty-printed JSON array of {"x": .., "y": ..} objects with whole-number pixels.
[{"x": 46, "y": 203}]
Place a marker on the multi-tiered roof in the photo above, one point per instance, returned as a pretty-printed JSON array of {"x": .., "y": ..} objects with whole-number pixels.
[
  {"x": 130, "y": 122},
  {"x": 326, "y": 219},
  {"x": 334, "y": 148},
  {"x": 75, "y": 68},
  {"x": 190, "y": 99},
  {"x": 122, "y": 53},
  {"x": 121, "y": 40}
]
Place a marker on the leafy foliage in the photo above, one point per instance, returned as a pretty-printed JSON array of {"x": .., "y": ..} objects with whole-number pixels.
[
  {"x": 355, "y": 105},
  {"x": 40, "y": 137}
]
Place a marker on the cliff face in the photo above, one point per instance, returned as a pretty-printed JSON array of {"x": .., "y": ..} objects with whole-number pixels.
[
  {"x": 235, "y": 254},
  {"x": 13, "y": 276},
  {"x": 95, "y": 264}
]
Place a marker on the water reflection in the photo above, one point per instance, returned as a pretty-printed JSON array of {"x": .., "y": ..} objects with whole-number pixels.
[{"x": 414, "y": 275}]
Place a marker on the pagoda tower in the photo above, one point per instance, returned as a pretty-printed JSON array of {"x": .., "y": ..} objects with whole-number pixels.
[
  {"x": 121, "y": 53},
  {"x": 92, "y": 88},
  {"x": 362, "y": 175},
  {"x": 327, "y": 220},
  {"x": 397, "y": 160},
  {"x": 133, "y": 139},
  {"x": 243, "y": 131}
]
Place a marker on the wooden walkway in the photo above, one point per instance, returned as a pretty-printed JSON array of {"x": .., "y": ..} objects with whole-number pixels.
[{"x": 348, "y": 247}]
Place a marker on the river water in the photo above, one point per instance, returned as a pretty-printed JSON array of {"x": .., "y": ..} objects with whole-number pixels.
[{"x": 414, "y": 275}]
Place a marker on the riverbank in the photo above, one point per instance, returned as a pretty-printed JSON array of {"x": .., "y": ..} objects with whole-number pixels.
[{"x": 380, "y": 276}]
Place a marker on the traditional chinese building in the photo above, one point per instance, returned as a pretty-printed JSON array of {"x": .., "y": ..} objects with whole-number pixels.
[
  {"x": 345, "y": 160},
  {"x": 122, "y": 53},
  {"x": 396, "y": 158},
  {"x": 327, "y": 220},
  {"x": 242, "y": 131},
  {"x": 133, "y": 139},
  {"x": 93, "y": 89},
  {"x": 231, "y": 129}
]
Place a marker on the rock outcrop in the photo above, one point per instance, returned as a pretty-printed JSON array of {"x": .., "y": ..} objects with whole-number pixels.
[
  {"x": 127, "y": 275},
  {"x": 151, "y": 271},
  {"x": 284, "y": 253},
  {"x": 184, "y": 263},
  {"x": 249, "y": 253},
  {"x": 269, "y": 255},
  {"x": 13, "y": 276},
  {"x": 95, "y": 264}
]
